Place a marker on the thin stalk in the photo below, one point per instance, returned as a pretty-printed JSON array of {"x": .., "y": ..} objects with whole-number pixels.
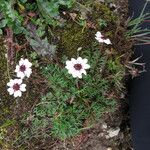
[
  {"x": 82, "y": 5},
  {"x": 8, "y": 70},
  {"x": 140, "y": 15}
]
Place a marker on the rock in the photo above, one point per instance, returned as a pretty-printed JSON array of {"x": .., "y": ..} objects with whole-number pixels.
[
  {"x": 101, "y": 135},
  {"x": 104, "y": 126},
  {"x": 102, "y": 1},
  {"x": 109, "y": 148},
  {"x": 113, "y": 132}
]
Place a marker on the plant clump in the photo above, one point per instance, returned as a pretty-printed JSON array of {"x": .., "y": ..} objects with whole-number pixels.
[{"x": 71, "y": 103}]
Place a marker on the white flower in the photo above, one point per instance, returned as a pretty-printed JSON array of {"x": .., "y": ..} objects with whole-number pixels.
[
  {"x": 16, "y": 87},
  {"x": 100, "y": 38},
  {"x": 24, "y": 68},
  {"x": 77, "y": 67}
]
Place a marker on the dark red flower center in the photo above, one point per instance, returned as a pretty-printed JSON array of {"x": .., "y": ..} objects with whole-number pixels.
[
  {"x": 103, "y": 38},
  {"x": 78, "y": 66},
  {"x": 16, "y": 87},
  {"x": 22, "y": 68}
]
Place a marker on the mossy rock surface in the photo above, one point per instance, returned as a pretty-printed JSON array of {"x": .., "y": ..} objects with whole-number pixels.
[
  {"x": 102, "y": 10},
  {"x": 3, "y": 70},
  {"x": 72, "y": 37},
  {"x": 4, "y": 97},
  {"x": 5, "y": 117}
]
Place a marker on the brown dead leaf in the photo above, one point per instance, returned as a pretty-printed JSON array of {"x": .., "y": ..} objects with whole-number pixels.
[
  {"x": 91, "y": 25},
  {"x": 73, "y": 16}
]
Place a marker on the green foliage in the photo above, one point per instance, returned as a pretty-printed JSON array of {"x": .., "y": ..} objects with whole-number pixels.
[
  {"x": 10, "y": 17},
  {"x": 14, "y": 14},
  {"x": 117, "y": 72},
  {"x": 49, "y": 9},
  {"x": 102, "y": 23},
  {"x": 38, "y": 40},
  {"x": 70, "y": 102},
  {"x": 70, "y": 105},
  {"x": 136, "y": 31},
  {"x": 34, "y": 57},
  {"x": 3, "y": 129},
  {"x": 105, "y": 13}
]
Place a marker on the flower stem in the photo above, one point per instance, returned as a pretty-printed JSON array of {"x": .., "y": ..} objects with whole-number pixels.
[{"x": 8, "y": 71}]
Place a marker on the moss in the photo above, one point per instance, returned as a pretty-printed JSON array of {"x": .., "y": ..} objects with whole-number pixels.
[
  {"x": 72, "y": 37},
  {"x": 3, "y": 69},
  {"x": 4, "y": 106},
  {"x": 103, "y": 11}
]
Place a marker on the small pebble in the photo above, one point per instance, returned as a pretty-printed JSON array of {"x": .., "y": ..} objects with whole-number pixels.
[
  {"x": 101, "y": 135},
  {"x": 113, "y": 132},
  {"x": 104, "y": 126}
]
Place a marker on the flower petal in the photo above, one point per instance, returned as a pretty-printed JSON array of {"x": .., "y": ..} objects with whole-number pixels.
[
  {"x": 23, "y": 87},
  {"x": 85, "y": 60},
  {"x": 19, "y": 81},
  {"x": 100, "y": 40},
  {"x": 27, "y": 63},
  {"x": 28, "y": 72},
  {"x": 107, "y": 41},
  {"x": 74, "y": 75},
  {"x": 21, "y": 62},
  {"x": 11, "y": 91},
  {"x": 86, "y": 66},
  {"x": 83, "y": 71},
  {"x": 10, "y": 83},
  {"x": 79, "y": 60},
  {"x": 68, "y": 64},
  {"x": 70, "y": 71},
  {"x": 17, "y": 94},
  {"x": 73, "y": 61},
  {"x": 98, "y": 34},
  {"x": 17, "y": 68},
  {"x": 20, "y": 75},
  {"x": 79, "y": 75}
]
